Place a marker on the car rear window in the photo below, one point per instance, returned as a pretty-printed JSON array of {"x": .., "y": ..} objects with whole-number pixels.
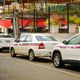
[
  {"x": 45, "y": 38},
  {"x": 5, "y": 36}
]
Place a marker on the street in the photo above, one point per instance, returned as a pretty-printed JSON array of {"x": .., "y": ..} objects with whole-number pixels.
[{"x": 20, "y": 68}]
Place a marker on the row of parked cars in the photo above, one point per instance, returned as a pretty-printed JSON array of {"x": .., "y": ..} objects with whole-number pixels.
[{"x": 45, "y": 45}]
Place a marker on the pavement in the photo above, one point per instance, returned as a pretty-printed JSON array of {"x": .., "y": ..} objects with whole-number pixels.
[
  {"x": 63, "y": 36},
  {"x": 20, "y": 68}
]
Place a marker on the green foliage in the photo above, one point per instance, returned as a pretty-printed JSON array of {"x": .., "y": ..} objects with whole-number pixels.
[
  {"x": 74, "y": 20},
  {"x": 59, "y": 9},
  {"x": 52, "y": 22}
]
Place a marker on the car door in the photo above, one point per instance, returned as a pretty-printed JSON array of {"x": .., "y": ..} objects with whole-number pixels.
[
  {"x": 77, "y": 49},
  {"x": 27, "y": 44},
  {"x": 73, "y": 48},
  {"x": 20, "y": 44}
]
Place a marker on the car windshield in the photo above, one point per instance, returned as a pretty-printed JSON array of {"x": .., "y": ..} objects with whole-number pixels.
[
  {"x": 5, "y": 36},
  {"x": 45, "y": 38}
]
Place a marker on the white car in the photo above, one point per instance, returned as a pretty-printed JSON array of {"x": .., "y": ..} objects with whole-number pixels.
[
  {"x": 33, "y": 45},
  {"x": 5, "y": 41},
  {"x": 68, "y": 51}
]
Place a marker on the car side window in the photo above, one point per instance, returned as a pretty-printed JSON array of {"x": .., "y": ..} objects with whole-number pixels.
[
  {"x": 22, "y": 39},
  {"x": 29, "y": 38},
  {"x": 75, "y": 40}
]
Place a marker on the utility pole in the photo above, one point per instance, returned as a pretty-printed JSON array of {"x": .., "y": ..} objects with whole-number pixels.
[
  {"x": 15, "y": 19},
  {"x": 15, "y": 25},
  {"x": 49, "y": 18},
  {"x": 22, "y": 15},
  {"x": 67, "y": 17},
  {"x": 34, "y": 16}
]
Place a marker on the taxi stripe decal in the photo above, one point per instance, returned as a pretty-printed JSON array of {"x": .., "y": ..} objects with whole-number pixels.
[
  {"x": 28, "y": 44},
  {"x": 72, "y": 47}
]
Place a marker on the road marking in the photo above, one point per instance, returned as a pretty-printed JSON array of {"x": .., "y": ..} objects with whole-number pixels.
[{"x": 69, "y": 73}]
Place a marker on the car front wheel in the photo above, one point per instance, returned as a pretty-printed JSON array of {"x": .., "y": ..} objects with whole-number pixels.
[
  {"x": 57, "y": 60},
  {"x": 13, "y": 53},
  {"x": 31, "y": 55}
]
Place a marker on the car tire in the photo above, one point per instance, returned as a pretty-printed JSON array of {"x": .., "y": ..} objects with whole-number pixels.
[
  {"x": 57, "y": 60},
  {"x": 31, "y": 55},
  {"x": 13, "y": 53}
]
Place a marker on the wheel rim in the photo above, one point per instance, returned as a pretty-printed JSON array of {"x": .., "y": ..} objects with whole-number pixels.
[
  {"x": 31, "y": 56},
  {"x": 56, "y": 61}
]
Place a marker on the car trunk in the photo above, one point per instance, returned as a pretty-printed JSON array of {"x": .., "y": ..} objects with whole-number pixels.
[
  {"x": 49, "y": 44},
  {"x": 7, "y": 41}
]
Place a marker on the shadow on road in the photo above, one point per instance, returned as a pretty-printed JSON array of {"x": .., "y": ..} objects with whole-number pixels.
[
  {"x": 43, "y": 60},
  {"x": 40, "y": 60},
  {"x": 74, "y": 67},
  {"x": 4, "y": 51}
]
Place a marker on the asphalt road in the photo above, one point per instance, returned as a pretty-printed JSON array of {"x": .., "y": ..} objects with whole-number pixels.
[{"x": 20, "y": 68}]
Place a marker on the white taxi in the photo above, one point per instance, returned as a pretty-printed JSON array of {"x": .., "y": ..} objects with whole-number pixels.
[
  {"x": 68, "y": 51},
  {"x": 33, "y": 45}
]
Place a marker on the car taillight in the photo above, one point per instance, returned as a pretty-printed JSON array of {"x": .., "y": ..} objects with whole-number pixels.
[{"x": 41, "y": 46}]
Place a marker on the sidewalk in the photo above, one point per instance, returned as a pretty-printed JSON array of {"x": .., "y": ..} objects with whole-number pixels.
[{"x": 63, "y": 36}]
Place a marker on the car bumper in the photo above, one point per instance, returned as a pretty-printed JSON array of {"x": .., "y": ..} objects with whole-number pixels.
[
  {"x": 42, "y": 53},
  {"x": 5, "y": 45}
]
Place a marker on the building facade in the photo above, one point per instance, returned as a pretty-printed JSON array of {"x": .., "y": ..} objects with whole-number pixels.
[{"x": 33, "y": 14}]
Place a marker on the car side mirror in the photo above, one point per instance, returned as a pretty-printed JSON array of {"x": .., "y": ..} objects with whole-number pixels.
[
  {"x": 17, "y": 40},
  {"x": 65, "y": 42}
]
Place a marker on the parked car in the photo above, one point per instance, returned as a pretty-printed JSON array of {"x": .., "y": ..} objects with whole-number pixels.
[
  {"x": 5, "y": 41},
  {"x": 68, "y": 51},
  {"x": 33, "y": 45}
]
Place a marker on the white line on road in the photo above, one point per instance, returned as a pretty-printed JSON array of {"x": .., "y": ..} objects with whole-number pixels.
[{"x": 69, "y": 73}]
